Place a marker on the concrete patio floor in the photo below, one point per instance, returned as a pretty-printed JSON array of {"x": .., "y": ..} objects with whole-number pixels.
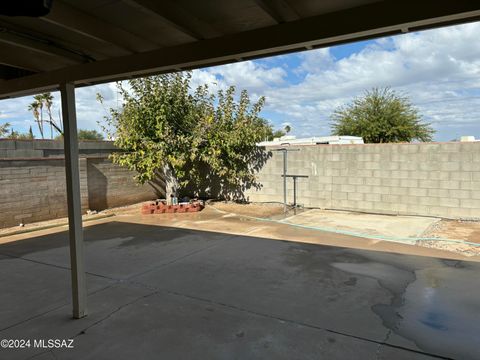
[{"x": 190, "y": 287}]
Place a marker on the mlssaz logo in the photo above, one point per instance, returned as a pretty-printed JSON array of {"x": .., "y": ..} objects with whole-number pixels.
[{"x": 53, "y": 343}]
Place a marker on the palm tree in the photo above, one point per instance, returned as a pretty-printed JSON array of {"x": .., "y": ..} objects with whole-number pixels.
[
  {"x": 34, "y": 108},
  {"x": 39, "y": 100},
  {"x": 48, "y": 100}
]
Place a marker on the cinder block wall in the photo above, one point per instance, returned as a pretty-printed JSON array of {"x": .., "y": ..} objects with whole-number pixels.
[
  {"x": 34, "y": 189},
  {"x": 39, "y": 148},
  {"x": 432, "y": 179},
  {"x": 110, "y": 185}
]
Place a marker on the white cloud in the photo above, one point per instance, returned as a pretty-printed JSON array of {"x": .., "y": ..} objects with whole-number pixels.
[
  {"x": 202, "y": 77},
  {"x": 249, "y": 75},
  {"x": 90, "y": 113},
  {"x": 14, "y": 111},
  {"x": 313, "y": 61},
  {"x": 437, "y": 68}
]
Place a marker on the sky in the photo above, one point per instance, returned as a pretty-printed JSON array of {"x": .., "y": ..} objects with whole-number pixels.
[{"x": 439, "y": 70}]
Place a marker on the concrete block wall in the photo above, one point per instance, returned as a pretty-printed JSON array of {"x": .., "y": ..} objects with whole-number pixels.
[
  {"x": 110, "y": 185},
  {"x": 39, "y": 148},
  {"x": 432, "y": 179},
  {"x": 34, "y": 189}
]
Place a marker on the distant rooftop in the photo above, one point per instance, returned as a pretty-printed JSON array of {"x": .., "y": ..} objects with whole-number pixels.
[
  {"x": 468, "y": 138},
  {"x": 315, "y": 140}
]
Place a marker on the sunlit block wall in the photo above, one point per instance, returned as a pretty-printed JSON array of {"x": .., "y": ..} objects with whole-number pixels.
[{"x": 433, "y": 179}]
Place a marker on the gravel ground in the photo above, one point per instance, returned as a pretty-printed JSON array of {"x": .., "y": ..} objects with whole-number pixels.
[
  {"x": 459, "y": 248},
  {"x": 456, "y": 229}
]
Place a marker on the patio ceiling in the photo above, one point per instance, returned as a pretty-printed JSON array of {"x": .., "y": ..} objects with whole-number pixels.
[{"x": 94, "y": 41}]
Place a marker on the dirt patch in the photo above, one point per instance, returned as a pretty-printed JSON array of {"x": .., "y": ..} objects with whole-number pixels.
[
  {"x": 264, "y": 210},
  {"x": 456, "y": 247},
  {"x": 456, "y": 229},
  {"x": 461, "y": 233}
]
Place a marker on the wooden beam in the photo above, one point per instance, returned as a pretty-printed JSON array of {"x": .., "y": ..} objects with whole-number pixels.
[
  {"x": 278, "y": 10},
  {"x": 19, "y": 58},
  {"x": 40, "y": 45},
  {"x": 171, "y": 14},
  {"x": 369, "y": 21},
  {"x": 82, "y": 45},
  {"x": 72, "y": 19},
  {"x": 7, "y": 72}
]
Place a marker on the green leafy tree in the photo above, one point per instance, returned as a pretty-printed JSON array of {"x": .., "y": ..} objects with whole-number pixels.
[
  {"x": 381, "y": 116},
  {"x": 15, "y": 135},
  {"x": 89, "y": 135},
  {"x": 26, "y": 136},
  {"x": 205, "y": 143},
  {"x": 23, "y": 136},
  {"x": 271, "y": 134},
  {"x": 277, "y": 134},
  {"x": 4, "y": 129}
]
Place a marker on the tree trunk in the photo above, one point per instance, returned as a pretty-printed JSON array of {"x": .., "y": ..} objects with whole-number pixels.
[{"x": 171, "y": 183}]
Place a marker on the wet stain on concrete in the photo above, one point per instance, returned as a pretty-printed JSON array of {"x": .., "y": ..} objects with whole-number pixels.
[
  {"x": 453, "y": 263},
  {"x": 311, "y": 262},
  {"x": 435, "y": 307},
  {"x": 351, "y": 282},
  {"x": 435, "y": 320},
  {"x": 166, "y": 235},
  {"x": 433, "y": 303}
]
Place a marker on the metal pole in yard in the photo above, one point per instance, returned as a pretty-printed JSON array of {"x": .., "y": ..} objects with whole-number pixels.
[{"x": 294, "y": 191}]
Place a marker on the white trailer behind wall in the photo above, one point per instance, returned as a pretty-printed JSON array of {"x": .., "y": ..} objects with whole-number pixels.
[{"x": 315, "y": 140}]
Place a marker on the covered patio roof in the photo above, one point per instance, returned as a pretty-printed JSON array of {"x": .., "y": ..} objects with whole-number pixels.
[{"x": 94, "y": 41}]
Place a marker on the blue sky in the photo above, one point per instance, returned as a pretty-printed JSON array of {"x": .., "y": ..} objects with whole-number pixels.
[{"x": 438, "y": 69}]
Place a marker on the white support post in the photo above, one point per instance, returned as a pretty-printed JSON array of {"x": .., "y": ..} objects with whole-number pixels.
[
  {"x": 79, "y": 290},
  {"x": 285, "y": 153}
]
